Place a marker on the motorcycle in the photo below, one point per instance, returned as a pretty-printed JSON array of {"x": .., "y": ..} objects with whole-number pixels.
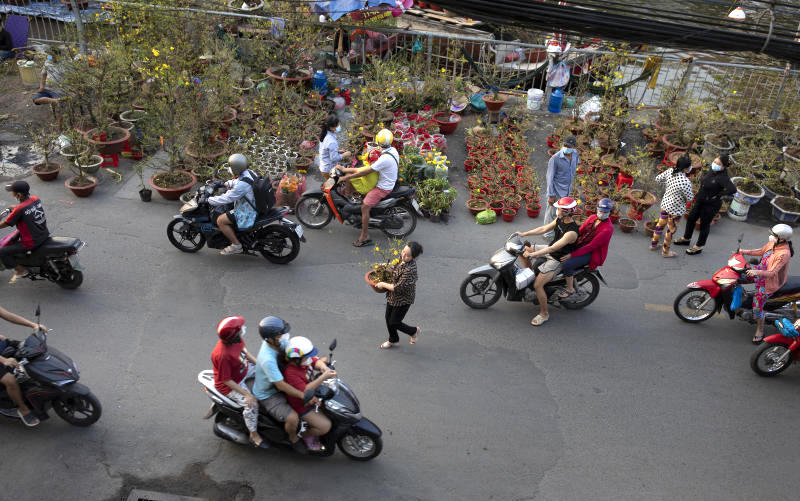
[
  {"x": 48, "y": 379},
  {"x": 395, "y": 215},
  {"x": 55, "y": 260},
  {"x": 778, "y": 350},
  {"x": 703, "y": 299},
  {"x": 484, "y": 285},
  {"x": 195, "y": 226},
  {"x": 357, "y": 437}
]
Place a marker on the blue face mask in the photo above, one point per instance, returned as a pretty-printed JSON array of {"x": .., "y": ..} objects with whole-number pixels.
[
  {"x": 567, "y": 151},
  {"x": 716, "y": 167},
  {"x": 338, "y": 129}
]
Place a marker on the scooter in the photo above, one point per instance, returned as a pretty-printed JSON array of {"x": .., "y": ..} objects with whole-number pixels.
[
  {"x": 357, "y": 437},
  {"x": 703, "y": 299},
  {"x": 55, "y": 260},
  {"x": 395, "y": 215},
  {"x": 484, "y": 285},
  {"x": 778, "y": 350},
  {"x": 48, "y": 379},
  {"x": 195, "y": 226}
]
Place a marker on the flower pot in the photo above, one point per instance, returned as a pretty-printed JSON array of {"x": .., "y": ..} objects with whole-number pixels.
[
  {"x": 640, "y": 204},
  {"x": 275, "y": 73},
  {"x": 534, "y": 209},
  {"x": 553, "y": 141},
  {"x": 371, "y": 282},
  {"x": 435, "y": 218},
  {"x": 175, "y": 190},
  {"x": 145, "y": 195},
  {"x": 614, "y": 217},
  {"x": 751, "y": 196},
  {"x": 716, "y": 145},
  {"x": 476, "y": 205},
  {"x": 649, "y": 228},
  {"x": 107, "y": 146},
  {"x": 447, "y": 121},
  {"x": 71, "y": 151},
  {"x": 626, "y": 224},
  {"x": 782, "y": 213},
  {"x": 206, "y": 157},
  {"x": 508, "y": 215},
  {"x": 132, "y": 115},
  {"x": 302, "y": 163},
  {"x": 497, "y": 206},
  {"x": 83, "y": 190},
  {"x": 47, "y": 171},
  {"x": 669, "y": 146},
  {"x": 492, "y": 104},
  {"x": 203, "y": 173},
  {"x": 95, "y": 161}
]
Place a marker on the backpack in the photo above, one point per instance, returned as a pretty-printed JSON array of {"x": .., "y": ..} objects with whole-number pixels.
[{"x": 263, "y": 192}]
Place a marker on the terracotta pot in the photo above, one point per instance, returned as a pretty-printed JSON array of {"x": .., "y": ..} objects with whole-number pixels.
[
  {"x": 173, "y": 193},
  {"x": 669, "y": 146},
  {"x": 626, "y": 225},
  {"x": 493, "y": 105},
  {"x": 47, "y": 175},
  {"x": 212, "y": 156},
  {"x": 81, "y": 191},
  {"x": 476, "y": 205},
  {"x": 105, "y": 147},
  {"x": 372, "y": 283},
  {"x": 508, "y": 215},
  {"x": 448, "y": 122},
  {"x": 534, "y": 212},
  {"x": 497, "y": 206},
  {"x": 649, "y": 228},
  {"x": 276, "y": 71}
]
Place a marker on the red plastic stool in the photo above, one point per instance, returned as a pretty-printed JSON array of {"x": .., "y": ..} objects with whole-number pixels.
[
  {"x": 623, "y": 179},
  {"x": 110, "y": 161}
]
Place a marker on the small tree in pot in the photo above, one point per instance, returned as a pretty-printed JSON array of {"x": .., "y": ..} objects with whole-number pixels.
[{"x": 45, "y": 142}]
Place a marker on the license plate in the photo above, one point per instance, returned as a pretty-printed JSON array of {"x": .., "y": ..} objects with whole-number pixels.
[
  {"x": 75, "y": 262},
  {"x": 299, "y": 230},
  {"x": 415, "y": 204}
]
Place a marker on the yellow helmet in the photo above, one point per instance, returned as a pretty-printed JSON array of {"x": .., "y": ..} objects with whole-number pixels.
[{"x": 384, "y": 138}]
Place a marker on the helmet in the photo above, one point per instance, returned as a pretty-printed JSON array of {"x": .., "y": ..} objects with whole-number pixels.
[
  {"x": 782, "y": 231},
  {"x": 566, "y": 203},
  {"x": 373, "y": 156},
  {"x": 299, "y": 347},
  {"x": 605, "y": 205},
  {"x": 237, "y": 163},
  {"x": 270, "y": 327},
  {"x": 229, "y": 327},
  {"x": 384, "y": 138}
]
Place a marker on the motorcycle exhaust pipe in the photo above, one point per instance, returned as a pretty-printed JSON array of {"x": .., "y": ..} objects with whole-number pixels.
[{"x": 228, "y": 433}]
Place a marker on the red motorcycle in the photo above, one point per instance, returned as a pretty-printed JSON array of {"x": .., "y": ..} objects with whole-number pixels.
[
  {"x": 702, "y": 299},
  {"x": 778, "y": 351}
]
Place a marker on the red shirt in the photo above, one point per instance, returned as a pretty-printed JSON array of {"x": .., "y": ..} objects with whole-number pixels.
[
  {"x": 229, "y": 364},
  {"x": 29, "y": 219},
  {"x": 599, "y": 244},
  {"x": 299, "y": 377}
]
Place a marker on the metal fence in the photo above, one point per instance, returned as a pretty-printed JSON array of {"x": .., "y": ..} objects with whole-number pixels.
[{"x": 755, "y": 89}]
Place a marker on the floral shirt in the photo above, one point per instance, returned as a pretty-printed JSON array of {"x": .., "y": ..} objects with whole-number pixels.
[{"x": 404, "y": 278}]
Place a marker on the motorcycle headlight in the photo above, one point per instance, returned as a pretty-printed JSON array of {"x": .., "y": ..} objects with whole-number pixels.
[
  {"x": 725, "y": 282},
  {"x": 735, "y": 264}
]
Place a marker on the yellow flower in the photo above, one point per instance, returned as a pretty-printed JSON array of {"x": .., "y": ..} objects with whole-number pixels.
[
  {"x": 171, "y": 48},
  {"x": 395, "y": 253},
  {"x": 155, "y": 52},
  {"x": 377, "y": 249}
]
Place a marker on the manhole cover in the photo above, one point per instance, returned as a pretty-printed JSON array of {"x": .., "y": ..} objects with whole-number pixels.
[{"x": 140, "y": 495}]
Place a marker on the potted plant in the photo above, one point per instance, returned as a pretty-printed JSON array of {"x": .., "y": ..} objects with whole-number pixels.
[
  {"x": 82, "y": 184},
  {"x": 45, "y": 142},
  {"x": 785, "y": 209},
  {"x": 381, "y": 265},
  {"x": 145, "y": 193}
]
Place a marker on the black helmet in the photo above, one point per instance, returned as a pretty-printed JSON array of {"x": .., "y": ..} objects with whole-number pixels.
[{"x": 270, "y": 327}]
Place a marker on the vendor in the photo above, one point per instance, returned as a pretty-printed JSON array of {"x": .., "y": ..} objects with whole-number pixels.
[{"x": 50, "y": 81}]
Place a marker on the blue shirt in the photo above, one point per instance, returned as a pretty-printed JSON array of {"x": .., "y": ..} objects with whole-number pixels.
[
  {"x": 267, "y": 371},
  {"x": 560, "y": 174}
]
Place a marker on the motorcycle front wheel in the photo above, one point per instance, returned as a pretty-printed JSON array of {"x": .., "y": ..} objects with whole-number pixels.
[
  {"x": 766, "y": 361},
  {"x": 78, "y": 410},
  {"x": 587, "y": 287},
  {"x": 694, "y": 305},
  {"x": 184, "y": 236},
  {"x": 278, "y": 244},
  {"x": 313, "y": 212},
  {"x": 480, "y": 291},
  {"x": 407, "y": 215},
  {"x": 361, "y": 446}
]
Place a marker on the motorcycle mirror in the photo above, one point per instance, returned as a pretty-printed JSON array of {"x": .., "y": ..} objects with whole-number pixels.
[
  {"x": 333, "y": 345},
  {"x": 741, "y": 236},
  {"x": 38, "y": 312}
]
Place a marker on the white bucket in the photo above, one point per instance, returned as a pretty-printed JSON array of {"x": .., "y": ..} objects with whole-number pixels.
[
  {"x": 738, "y": 210},
  {"x": 535, "y": 97}
]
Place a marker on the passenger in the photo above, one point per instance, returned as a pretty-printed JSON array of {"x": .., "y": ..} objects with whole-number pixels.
[
  {"x": 240, "y": 193},
  {"x": 329, "y": 155},
  {"x": 592, "y": 245}
]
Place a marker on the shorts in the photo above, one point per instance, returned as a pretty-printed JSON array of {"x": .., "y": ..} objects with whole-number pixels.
[
  {"x": 232, "y": 218},
  {"x": 277, "y": 407},
  {"x": 4, "y": 369},
  {"x": 374, "y": 196},
  {"x": 550, "y": 265},
  {"x": 46, "y": 93}
]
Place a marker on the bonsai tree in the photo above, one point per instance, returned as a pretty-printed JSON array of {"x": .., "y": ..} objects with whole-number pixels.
[{"x": 45, "y": 142}]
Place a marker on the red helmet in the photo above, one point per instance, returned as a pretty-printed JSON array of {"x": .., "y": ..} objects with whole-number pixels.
[
  {"x": 229, "y": 327},
  {"x": 567, "y": 203}
]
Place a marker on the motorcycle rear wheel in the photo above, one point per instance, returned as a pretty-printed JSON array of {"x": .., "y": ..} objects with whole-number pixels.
[
  {"x": 73, "y": 282},
  {"x": 185, "y": 237},
  {"x": 361, "y": 446},
  {"x": 691, "y": 299},
  {"x": 764, "y": 361},
  {"x": 480, "y": 284},
  {"x": 278, "y": 244},
  {"x": 78, "y": 410},
  {"x": 409, "y": 217},
  {"x": 313, "y": 212},
  {"x": 588, "y": 284}
]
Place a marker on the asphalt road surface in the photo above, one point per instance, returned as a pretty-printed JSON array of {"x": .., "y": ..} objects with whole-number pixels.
[{"x": 617, "y": 401}]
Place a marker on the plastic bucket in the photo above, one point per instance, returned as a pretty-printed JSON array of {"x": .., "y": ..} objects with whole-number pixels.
[
  {"x": 738, "y": 210},
  {"x": 29, "y": 75},
  {"x": 535, "y": 97}
]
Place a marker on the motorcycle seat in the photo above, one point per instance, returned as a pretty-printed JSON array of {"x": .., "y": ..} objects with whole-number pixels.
[
  {"x": 59, "y": 244},
  {"x": 791, "y": 286},
  {"x": 401, "y": 190},
  {"x": 206, "y": 378}
]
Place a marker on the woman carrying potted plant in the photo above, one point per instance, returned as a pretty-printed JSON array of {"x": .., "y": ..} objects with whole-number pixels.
[
  {"x": 713, "y": 186},
  {"x": 401, "y": 295},
  {"x": 673, "y": 205},
  {"x": 329, "y": 154}
]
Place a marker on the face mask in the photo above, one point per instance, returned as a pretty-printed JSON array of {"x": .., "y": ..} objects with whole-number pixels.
[
  {"x": 338, "y": 129},
  {"x": 773, "y": 239},
  {"x": 284, "y": 338},
  {"x": 306, "y": 362},
  {"x": 603, "y": 215},
  {"x": 567, "y": 151},
  {"x": 716, "y": 167}
]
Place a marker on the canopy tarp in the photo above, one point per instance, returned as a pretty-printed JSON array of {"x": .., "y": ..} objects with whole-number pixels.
[{"x": 360, "y": 9}]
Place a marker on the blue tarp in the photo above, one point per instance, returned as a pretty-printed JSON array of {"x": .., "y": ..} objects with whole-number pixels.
[
  {"x": 53, "y": 10},
  {"x": 338, "y": 8}
]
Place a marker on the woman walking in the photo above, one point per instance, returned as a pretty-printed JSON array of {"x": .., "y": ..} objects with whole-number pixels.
[
  {"x": 401, "y": 295},
  {"x": 673, "y": 205},
  {"x": 714, "y": 185},
  {"x": 329, "y": 154},
  {"x": 771, "y": 273}
]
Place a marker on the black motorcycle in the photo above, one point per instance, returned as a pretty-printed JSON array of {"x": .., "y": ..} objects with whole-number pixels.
[
  {"x": 484, "y": 285},
  {"x": 357, "y": 437},
  {"x": 395, "y": 215},
  {"x": 272, "y": 235},
  {"x": 55, "y": 260},
  {"x": 49, "y": 378}
]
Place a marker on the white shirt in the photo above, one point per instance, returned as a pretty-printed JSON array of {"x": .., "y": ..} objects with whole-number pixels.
[
  {"x": 329, "y": 152},
  {"x": 386, "y": 167}
]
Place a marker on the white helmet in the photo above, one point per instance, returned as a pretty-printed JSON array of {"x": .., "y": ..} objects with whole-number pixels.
[
  {"x": 237, "y": 163},
  {"x": 299, "y": 347},
  {"x": 782, "y": 231}
]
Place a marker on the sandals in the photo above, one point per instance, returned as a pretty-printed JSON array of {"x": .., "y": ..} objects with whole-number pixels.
[
  {"x": 564, "y": 293},
  {"x": 694, "y": 250},
  {"x": 386, "y": 345},
  {"x": 362, "y": 243},
  {"x": 539, "y": 320},
  {"x": 669, "y": 254},
  {"x": 28, "y": 419},
  {"x": 757, "y": 340},
  {"x": 231, "y": 249},
  {"x": 16, "y": 277},
  {"x": 413, "y": 339},
  {"x": 681, "y": 241}
]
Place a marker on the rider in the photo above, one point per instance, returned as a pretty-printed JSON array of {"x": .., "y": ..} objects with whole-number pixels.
[
  {"x": 592, "y": 245},
  {"x": 301, "y": 355},
  {"x": 565, "y": 237},
  {"x": 270, "y": 387},
  {"x": 240, "y": 193},
  {"x": 31, "y": 223},
  {"x": 7, "y": 366},
  {"x": 387, "y": 168},
  {"x": 231, "y": 369}
]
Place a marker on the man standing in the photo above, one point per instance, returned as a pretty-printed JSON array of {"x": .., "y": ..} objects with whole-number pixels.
[
  {"x": 31, "y": 223},
  {"x": 560, "y": 173}
]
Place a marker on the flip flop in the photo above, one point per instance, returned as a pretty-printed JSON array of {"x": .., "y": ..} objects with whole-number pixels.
[
  {"x": 362, "y": 243},
  {"x": 16, "y": 277},
  {"x": 539, "y": 320},
  {"x": 386, "y": 345},
  {"x": 413, "y": 339},
  {"x": 668, "y": 254},
  {"x": 681, "y": 241},
  {"x": 757, "y": 340},
  {"x": 565, "y": 291},
  {"x": 694, "y": 250}
]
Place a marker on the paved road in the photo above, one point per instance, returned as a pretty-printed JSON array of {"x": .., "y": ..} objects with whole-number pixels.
[{"x": 618, "y": 401}]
